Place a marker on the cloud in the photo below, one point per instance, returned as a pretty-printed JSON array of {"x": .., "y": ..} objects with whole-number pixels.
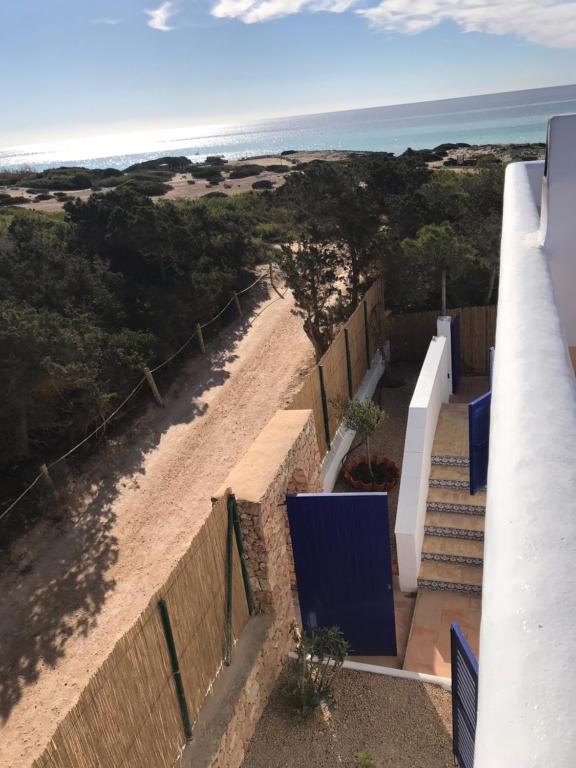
[
  {"x": 547, "y": 22},
  {"x": 159, "y": 18},
  {"x": 252, "y": 11},
  {"x": 107, "y": 20}
]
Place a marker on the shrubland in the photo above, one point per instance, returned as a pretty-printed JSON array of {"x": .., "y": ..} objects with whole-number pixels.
[{"x": 91, "y": 295}]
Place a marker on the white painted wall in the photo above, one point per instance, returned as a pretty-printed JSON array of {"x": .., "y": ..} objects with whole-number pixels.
[
  {"x": 432, "y": 389},
  {"x": 558, "y": 224},
  {"x": 342, "y": 441},
  {"x": 527, "y": 702}
]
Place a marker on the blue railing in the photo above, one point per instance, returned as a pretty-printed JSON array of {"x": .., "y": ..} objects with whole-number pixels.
[{"x": 464, "y": 698}]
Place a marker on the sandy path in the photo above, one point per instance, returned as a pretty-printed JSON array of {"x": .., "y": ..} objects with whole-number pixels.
[{"x": 83, "y": 578}]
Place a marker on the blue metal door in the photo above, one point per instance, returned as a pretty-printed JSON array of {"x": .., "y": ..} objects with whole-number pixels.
[
  {"x": 455, "y": 347},
  {"x": 464, "y": 698},
  {"x": 479, "y": 435},
  {"x": 343, "y": 566}
]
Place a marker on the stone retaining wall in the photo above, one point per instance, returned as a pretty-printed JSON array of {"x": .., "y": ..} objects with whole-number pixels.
[{"x": 283, "y": 459}]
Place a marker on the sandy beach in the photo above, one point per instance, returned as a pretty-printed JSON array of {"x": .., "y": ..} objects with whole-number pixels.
[{"x": 185, "y": 187}]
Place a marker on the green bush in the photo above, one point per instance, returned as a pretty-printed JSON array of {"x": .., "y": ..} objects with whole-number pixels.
[
  {"x": 311, "y": 675},
  {"x": 244, "y": 171},
  {"x": 263, "y": 184},
  {"x": 8, "y": 200},
  {"x": 208, "y": 172}
]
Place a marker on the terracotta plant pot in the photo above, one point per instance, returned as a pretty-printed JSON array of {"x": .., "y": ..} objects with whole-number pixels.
[{"x": 377, "y": 460}]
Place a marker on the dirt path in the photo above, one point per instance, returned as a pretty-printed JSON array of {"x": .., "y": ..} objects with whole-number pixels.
[{"x": 78, "y": 582}]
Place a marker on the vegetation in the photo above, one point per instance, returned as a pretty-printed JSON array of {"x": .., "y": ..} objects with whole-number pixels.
[
  {"x": 90, "y": 295},
  {"x": 319, "y": 658},
  {"x": 363, "y": 417},
  {"x": 364, "y": 760}
]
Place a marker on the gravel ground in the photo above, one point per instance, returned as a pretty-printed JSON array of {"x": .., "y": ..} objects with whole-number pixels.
[
  {"x": 389, "y": 439},
  {"x": 402, "y": 723}
]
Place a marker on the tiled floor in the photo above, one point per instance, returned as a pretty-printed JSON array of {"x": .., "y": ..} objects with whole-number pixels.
[{"x": 429, "y": 643}]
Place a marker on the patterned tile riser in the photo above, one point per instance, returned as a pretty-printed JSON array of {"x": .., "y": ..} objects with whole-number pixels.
[
  {"x": 459, "y": 559},
  {"x": 441, "y": 483},
  {"x": 450, "y": 461},
  {"x": 459, "y": 509},
  {"x": 453, "y": 533},
  {"x": 445, "y": 586}
]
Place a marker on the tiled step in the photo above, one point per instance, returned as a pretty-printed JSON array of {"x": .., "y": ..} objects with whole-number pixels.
[
  {"x": 446, "y": 472},
  {"x": 451, "y": 478},
  {"x": 450, "y": 461},
  {"x": 453, "y": 550},
  {"x": 454, "y": 525},
  {"x": 453, "y": 577},
  {"x": 456, "y": 500}
]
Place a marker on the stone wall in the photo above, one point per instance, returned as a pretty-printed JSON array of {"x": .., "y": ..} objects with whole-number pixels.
[{"x": 283, "y": 459}]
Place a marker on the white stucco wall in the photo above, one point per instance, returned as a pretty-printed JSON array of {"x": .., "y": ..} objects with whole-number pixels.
[
  {"x": 432, "y": 389},
  {"x": 527, "y": 701},
  {"x": 558, "y": 223}
]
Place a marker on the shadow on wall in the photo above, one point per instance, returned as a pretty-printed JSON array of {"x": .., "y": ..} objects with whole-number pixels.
[{"x": 54, "y": 577}]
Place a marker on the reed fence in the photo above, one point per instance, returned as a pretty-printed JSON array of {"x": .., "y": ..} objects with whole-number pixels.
[
  {"x": 340, "y": 371},
  {"x": 410, "y": 336},
  {"x": 130, "y": 715}
]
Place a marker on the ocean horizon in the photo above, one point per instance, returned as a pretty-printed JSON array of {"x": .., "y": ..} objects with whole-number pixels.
[{"x": 514, "y": 117}]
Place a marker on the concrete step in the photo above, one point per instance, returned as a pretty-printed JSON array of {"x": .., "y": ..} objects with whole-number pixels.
[
  {"x": 452, "y": 577},
  {"x": 456, "y": 500},
  {"x": 450, "y": 549},
  {"x": 446, "y": 472},
  {"x": 450, "y": 478},
  {"x": 454, "y": 525}
]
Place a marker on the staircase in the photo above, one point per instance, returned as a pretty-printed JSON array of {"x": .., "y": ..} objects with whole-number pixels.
[{"x": 452, "y": 552}]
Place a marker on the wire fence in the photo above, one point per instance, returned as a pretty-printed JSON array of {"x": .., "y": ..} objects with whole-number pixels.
[{"x": 45, "y": 470}]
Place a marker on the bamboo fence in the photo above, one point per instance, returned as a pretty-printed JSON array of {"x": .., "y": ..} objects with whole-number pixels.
[
  {"x": 129, "y": 716},
  {"x": 363, "y": 333}
]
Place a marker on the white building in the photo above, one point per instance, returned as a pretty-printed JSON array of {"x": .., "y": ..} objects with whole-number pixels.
[{"x": 527, "y": 686}]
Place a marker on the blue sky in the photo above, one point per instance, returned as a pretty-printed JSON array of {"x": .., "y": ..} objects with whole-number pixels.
[{"x": 83, "y": 67}]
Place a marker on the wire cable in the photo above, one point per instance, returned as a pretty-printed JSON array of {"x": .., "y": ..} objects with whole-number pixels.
[{"x": 124, "y": 402}]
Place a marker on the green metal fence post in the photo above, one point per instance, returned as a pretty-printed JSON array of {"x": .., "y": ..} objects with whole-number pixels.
[
  {"x": 239, "y": 543},
  {"x": 348, "y": 364},
  {"x": 175, "y": 669},
  {"x": 366, "y": 333},
  {"x": 229, "y": 538},
  {"x": 324, "y": 406}
]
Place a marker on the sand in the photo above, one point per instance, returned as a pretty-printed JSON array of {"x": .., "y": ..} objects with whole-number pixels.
[
  {"x": 401, "y": 723},
  {"x": 78, "y": 581},
  {"x": 182, "y": 190}
]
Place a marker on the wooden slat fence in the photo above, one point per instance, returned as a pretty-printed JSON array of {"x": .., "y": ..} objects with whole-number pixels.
[
  {"x": 410, "y": 336},
  {"x": 362, "y": 323},
  {"x": 128, "y": 716}
]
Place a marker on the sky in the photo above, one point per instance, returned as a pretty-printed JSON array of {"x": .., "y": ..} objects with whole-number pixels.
[{"x": 73, "y": 68}]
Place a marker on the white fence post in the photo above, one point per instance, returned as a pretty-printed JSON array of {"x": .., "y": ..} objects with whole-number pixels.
[{"x": 443, "y": 324}]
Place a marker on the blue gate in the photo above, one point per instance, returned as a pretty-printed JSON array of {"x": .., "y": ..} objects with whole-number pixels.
[
  {"x": 479, "y": 436},
  {"x": 455, "y": 348},
  {"x": 464, "y": 698},
  {"x": 343, "y": 564}
]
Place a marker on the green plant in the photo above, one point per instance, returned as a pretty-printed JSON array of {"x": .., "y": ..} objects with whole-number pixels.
[
  {"x": 364, "y": 418},
  {"x": 364, "y": 759},
  {"x": 319, "y": 658}
]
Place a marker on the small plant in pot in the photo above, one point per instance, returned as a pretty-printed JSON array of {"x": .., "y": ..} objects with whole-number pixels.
[{"x": 371, "y": 471}]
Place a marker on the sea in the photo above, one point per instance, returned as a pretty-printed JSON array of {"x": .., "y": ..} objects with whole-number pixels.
[{"x": 512, "y": 117}]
